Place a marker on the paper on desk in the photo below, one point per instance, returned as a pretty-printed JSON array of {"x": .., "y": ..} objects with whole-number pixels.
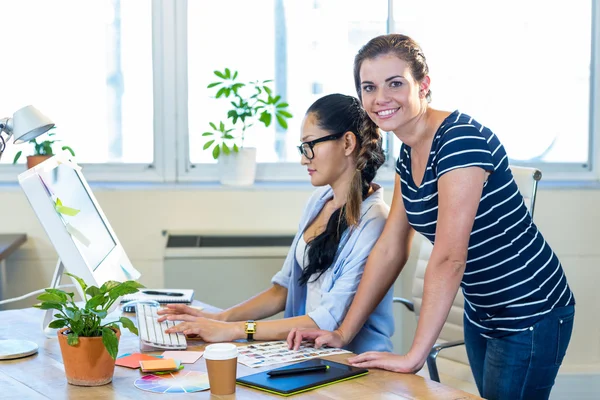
[
  {"x": 157, "y": 364},
  {"x": 186, "y": 357},
  {"x": 133, "y": 360},
  {"x": 262, "y": 354}
]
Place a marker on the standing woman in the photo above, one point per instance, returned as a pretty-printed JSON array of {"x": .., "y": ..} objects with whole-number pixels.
[
  {"x": 454, "y": 186},
  {"x": 339, "y": 227}
]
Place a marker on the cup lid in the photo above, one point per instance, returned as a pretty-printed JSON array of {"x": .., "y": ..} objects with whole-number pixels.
[{"x": 220, "y": 351}]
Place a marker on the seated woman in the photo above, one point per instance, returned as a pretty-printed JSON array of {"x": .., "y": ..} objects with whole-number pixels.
[{"x": 343, "y": 219}]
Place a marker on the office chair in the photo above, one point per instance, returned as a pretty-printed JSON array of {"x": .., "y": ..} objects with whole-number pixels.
[{"x": 452, "y": 331}]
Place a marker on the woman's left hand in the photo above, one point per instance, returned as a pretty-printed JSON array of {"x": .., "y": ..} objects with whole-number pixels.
[
  {"x": 388, "y": 361},
  {"x": 205, "y": 329}
]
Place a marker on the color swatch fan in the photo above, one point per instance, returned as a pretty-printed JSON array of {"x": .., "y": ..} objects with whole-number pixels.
[{"x": 181, "y": 382}]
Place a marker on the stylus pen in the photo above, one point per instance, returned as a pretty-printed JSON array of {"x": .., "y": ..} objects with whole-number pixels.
[
  {"x": 157, "y": 293},
  {"x": 294, "y": 371}
]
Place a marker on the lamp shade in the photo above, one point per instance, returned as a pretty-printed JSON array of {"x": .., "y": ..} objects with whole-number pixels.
[{"x": 29, "y": 123}]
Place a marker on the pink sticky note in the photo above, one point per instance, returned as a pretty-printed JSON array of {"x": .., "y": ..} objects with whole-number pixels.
[
  {"x": 186, "y": 357},
  {"x": 133, "y": 360}
]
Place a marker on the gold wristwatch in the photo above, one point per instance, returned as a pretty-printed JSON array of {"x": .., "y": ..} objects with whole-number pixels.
[{"x": 250, "y": 329}]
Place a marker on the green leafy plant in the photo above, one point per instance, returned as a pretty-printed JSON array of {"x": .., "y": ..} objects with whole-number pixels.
[
  {"x": 43, "y": 148},
  {"x": 251, "y": 102},
  {"x": 86, "y": 321}
]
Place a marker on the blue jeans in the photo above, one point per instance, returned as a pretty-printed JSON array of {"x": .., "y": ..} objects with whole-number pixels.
[{"x": 522, "y": 365}]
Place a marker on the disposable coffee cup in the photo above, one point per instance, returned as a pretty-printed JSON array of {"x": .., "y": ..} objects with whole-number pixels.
[{"x": 221, "y": 364}]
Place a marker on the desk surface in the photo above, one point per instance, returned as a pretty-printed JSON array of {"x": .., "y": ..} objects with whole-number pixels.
[
  {"x": 42, "y": 376},
  {"x": 9, "y": 243}
]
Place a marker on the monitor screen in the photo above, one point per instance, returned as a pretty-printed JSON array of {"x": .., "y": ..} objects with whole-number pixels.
[{"x": 70, "y": 191}]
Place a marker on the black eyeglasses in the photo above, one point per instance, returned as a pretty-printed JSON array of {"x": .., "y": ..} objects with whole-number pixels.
[{"x": 306, "y": 148}]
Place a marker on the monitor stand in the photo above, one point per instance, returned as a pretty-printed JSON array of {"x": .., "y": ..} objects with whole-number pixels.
[{"x": 51, "y": 333}]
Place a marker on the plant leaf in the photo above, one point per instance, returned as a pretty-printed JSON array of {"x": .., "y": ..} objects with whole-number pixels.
[
  {"x": 220, "y": 74},
  {"x": 57, "y": 324},
  {"x": 216, "y": 152},
  {"x": 70, "y": 150},
  {"x": 227, "y": 136},
  {"x": 221, "y": 126},
  {"x": 220, "y": 92},
  {"x": 17, "y": 156},
  {"x": 109, "y": 285},
  {"x": 123, "y": 289},
  {"x": 51, "y": 297},
  {"x": 49, "y": 306},
  {"x": 207, "y": 144},
  {"x": 234, "y": 75},
  {"x": 284, "y": 113},
  {"x": 207, "y": 134},
  {"x": 236, "y": 148},
  {"x": 265, "y": 118},
  {"x": 212, "y": 85},
  {"x": 127, "y": 323},
  {"x": 268, "y": 90},
  {"x": 281, "y": 121},
  {"x": 226, "y": 149},
  {"x": 101, "y": 314},
  {"x": 72, "y": 339},
  {"x": 109, "y": 338},
  {"x": 227, "y": 73},
  {"x": 92, "y": 291},
  {"x": 282, "y": 105},
  {"x": 96, "y": 301},
  {"x": 79, "y": 280},
  {"x": 212, "y": 125}
]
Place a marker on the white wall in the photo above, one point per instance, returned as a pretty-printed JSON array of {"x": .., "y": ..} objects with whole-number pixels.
[{"x": 569, "y": 220}]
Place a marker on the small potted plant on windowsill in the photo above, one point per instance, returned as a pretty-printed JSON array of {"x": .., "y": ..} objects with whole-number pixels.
[
  {"x": 88, "y": 345},
  {"x": 41, "y": 151},
  {"x": 251, "y": 103}
]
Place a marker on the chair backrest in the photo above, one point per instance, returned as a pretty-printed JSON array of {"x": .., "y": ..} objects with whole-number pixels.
[{"x": 526, "y": 179}]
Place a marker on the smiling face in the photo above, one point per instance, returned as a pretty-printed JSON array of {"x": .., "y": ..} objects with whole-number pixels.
[
  {"x": 331, "y": 158},
  {"x": 390, "y": 94}
]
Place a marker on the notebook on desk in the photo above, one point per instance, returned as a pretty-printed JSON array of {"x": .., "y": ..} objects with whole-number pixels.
[
  {"x": 292, "y": 384},
  {"x": 162, "y": 296}
]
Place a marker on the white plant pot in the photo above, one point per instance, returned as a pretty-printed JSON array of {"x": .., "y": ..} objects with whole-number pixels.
[{"x": 238, "y": 169}]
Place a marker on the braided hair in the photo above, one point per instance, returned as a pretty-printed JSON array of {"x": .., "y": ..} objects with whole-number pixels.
[{"x": 340, "y": 113}]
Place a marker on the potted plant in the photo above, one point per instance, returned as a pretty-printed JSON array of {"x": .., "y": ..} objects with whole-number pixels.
[
  {"x": 89, "y": 347},
  {"x": 251, "y": 103},
  {"x": 41, "y": 151}
]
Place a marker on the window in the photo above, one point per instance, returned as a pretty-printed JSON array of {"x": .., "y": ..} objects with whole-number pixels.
[
  {"x": 306, "y": 47},
  {"x": 520, "y": 68},
  {"x": 125, "y": 80},
  {"x": 87, "y": 66}
]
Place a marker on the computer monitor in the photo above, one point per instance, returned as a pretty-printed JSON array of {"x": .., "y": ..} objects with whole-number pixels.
[{"x": 85, "y": 243}]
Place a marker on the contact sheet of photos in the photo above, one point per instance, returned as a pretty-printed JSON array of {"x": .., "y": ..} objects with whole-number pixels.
[{"x": 269, "y": 353}]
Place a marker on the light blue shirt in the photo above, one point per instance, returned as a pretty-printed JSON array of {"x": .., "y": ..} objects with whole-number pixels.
[{"x": 339, "y": 286}]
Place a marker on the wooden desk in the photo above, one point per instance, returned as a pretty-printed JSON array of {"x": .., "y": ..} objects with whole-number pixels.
[
  {"x": 42, "y": 376},
  {"x": 8, "y": 244}
]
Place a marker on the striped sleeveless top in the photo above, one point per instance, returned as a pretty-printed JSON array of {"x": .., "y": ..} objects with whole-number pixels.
[{"x": 512, "y": 277}]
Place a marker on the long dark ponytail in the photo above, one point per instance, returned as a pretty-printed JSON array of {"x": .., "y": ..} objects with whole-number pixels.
[{"x": 340, "y": 113}]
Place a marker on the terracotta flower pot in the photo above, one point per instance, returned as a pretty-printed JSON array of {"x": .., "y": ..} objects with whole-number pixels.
[
  {"x": 32, "y": 161},
  {"x": 88, "y": 363}
]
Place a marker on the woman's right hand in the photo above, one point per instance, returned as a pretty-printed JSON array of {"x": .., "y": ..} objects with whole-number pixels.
[
  {"x": 182, "y": 309},
  {"x": 318, "y": 336}
]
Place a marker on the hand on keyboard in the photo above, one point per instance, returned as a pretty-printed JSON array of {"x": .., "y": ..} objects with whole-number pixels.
[{"x": 152, "y": 333}]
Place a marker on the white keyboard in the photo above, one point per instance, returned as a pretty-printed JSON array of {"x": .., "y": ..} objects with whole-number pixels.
[{"x": 152, "y": 333}]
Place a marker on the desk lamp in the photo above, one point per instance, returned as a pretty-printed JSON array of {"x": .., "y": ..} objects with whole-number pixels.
[{"x": 26, "y": 124}]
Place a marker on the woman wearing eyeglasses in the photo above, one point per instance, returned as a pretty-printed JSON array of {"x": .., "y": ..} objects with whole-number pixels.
[{"x": 341, "y": 149}]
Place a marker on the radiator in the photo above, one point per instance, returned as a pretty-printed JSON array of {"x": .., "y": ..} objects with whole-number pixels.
[{"x": 223, "y": 270}]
